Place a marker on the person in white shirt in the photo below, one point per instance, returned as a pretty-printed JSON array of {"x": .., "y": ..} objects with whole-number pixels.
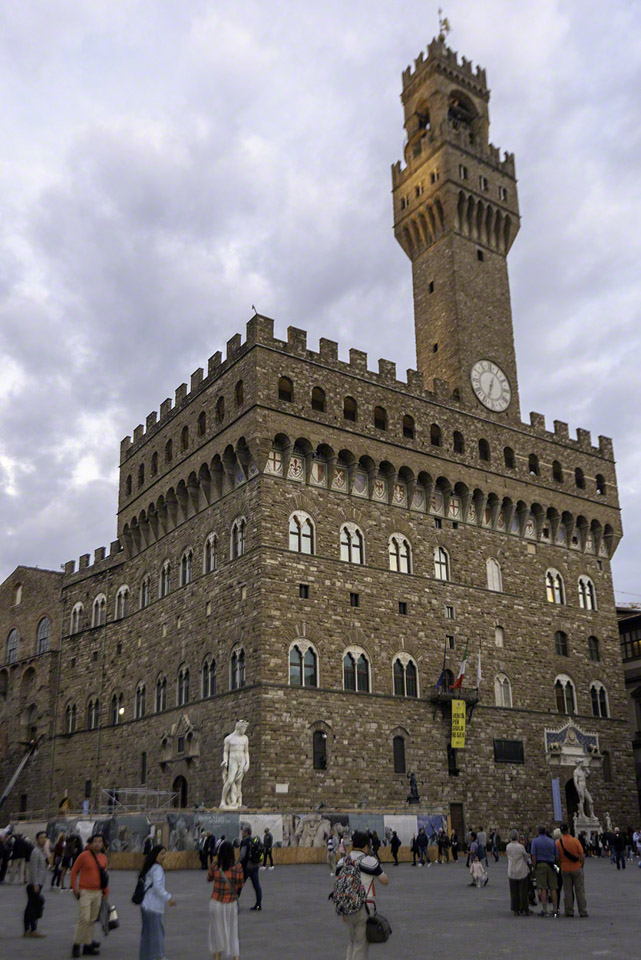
[
  {"x": 152, "y": 936},
  {"x": 371, "y": 870}
]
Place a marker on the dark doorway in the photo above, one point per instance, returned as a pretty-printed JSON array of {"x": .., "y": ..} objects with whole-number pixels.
[
  {"x": 179, "y": 787},
  {"x": 571, "y": 803},
  {"x": 458, "y": 821}
]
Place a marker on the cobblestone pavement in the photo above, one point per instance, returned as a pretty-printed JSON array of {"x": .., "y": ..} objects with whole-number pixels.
[{"x": 432, "y": 911}]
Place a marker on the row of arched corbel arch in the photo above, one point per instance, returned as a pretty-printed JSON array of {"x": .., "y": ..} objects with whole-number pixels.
[{"x": 345, "y": 471}]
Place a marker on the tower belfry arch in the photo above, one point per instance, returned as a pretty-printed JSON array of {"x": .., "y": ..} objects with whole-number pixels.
[{"x": 456, "y": 216}]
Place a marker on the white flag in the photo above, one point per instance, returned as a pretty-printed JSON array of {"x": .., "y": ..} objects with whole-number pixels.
[{"x": 479, "y": 676}]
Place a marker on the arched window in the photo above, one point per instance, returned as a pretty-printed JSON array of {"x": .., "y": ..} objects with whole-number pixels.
[
  {"x": 93, "y": 713},
  {"x": 435, "y": 435},
  {"x": 533, "y": 465},
  {"x": 186, "y": 567},
  {"x": 182, "y": 686},
  {"x": 301, "y": 533},
  {"x": 398, "y": 752},
  {"x": 587, "y": 594},
  {"x": 165, "y": 579},
  {"x": 400, "y": 554},
  {"x": 140, "y": 701},
  {"x": 484, "y": 450},
  {"x": 561, "y": 644},
  {"x": 145, "y": 591},
  {"x": 169, "y": 451},
  {"x": 76, "y": 618},
  {"x": 99, "y": 611},
  {"x": 600, "y": 485},
  {"x": 209, "y": 677},
  {"x": 356, "y": 671},
  {"x": 508, "y": 456},
  {"x": 285, "y": 389},
  {"x": 116, "y": 709},
  {"x": 554, "y": 587},
  {"x": 352, "y": 544},
  {"x": 318, "y": 399},
  {"x": 565, "y": 695},
  {"x": 161, "y": 694},
  {"x": 593, "y": 649},
  {"x": 405, "y": 676},
  {"x": 499, "y": 636},
  {"x": 154, "y": 464},
  {"x": 408, "y": 427},
  {"x": 237, "y": 669},
  {"x": 141, "y": 475},
  {"x": 459, "y": 442},
  {"x": 579, "y": 478},
  {"x": 350, "y": 410},
  {"x": 494, "y": 578},
  {"x": 17, "y": 594},
  {"x": 238, "y": 538},
  {"x": 220, "y": 409},
  {"x": 239, "y": 393},
  {"x": 184, "y": 439},
  {"x": 441, "y": 564},
  {"x": 295, "y": 667},
  {"x": 202, "y": 424},
  {"x": 122, "y": 602},
  {"x": 319, "y": 749},
  {"x": 557, "y": 471},
  {"x": 502, "y": 691},
  {"x": 70, "y": 718},
  {"x": 380, "y": 418},
  {"x": 128, "y": 486},
  {"x": 599, "y": 699},
  {"x": 43, "y": 636},
  {"x": 210, "y": 554},
  {"x": 303, "y": 667}
]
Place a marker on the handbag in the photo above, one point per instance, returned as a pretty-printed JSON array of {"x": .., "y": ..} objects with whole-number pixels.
[
  {"x": 378, "y": 929},
  {"x": 114, "y": 922}
]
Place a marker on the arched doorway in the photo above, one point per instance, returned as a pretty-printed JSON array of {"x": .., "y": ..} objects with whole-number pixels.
[
  {"x": 571, "y": 802},
  {"x": 179, "y": 787}
]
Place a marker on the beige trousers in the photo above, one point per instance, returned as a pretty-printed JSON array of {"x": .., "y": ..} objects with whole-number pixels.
[
  {"x": 573, "y": 883},
  {"x": 358, "y": 945},
  {"x": 89, "y": 908},
  {"x": 18, "y": 866}
]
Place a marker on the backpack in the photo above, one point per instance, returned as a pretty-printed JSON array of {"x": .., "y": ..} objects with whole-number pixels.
[
  {"x": 138, "y": 895},
  {"x": 349, "y": 893},
  {"x": 256, "y": 850}
]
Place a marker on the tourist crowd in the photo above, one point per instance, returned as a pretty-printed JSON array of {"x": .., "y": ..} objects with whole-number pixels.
[{"x": 543, "y": 869}]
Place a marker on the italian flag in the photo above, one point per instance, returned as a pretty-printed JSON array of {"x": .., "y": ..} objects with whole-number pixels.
[{"x": 458, "y": 683}]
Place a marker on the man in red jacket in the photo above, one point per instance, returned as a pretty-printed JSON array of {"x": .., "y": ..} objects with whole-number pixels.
[{"x": 90, "y": 883}]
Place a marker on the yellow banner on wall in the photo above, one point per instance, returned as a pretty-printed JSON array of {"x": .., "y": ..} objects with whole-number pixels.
[{"x": 458, "y": 724}]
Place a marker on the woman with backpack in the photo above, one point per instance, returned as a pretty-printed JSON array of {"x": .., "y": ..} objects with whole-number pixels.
[
  {"x": 155, "y": 899},
  {"x": 228, "y": 879}
]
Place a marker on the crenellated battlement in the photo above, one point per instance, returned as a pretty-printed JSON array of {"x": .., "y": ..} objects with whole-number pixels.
[
  {"x": 102, "y": 561},
  {"x": 441, "y": 57},
  {"x": 433, "y": 140},
  {"x": 260, "y": 332}
]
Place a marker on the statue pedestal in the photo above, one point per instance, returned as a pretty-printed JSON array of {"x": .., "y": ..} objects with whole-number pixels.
[{"x": 588, "y": 825}]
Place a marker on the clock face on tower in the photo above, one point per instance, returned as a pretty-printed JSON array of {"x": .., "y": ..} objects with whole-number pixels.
[{"x": 490, "y": 385}]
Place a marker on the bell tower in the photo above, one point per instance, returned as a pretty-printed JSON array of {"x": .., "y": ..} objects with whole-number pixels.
[{"x": 456, "y": 216}]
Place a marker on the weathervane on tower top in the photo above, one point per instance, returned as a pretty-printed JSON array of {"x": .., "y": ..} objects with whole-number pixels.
[{"x": 443, "y": 26}]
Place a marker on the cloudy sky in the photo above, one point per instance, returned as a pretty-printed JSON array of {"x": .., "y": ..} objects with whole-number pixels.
[{"x": 165, "y": 165}]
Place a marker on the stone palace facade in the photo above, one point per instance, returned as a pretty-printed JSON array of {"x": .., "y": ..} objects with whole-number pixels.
[{"x": 302, "y": 541}]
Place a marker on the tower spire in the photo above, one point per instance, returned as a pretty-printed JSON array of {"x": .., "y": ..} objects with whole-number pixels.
[{"x": 444, "y": 28}]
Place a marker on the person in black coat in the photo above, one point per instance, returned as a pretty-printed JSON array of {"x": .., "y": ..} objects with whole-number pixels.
[
  {"x": 395, "y": 846},
  {"x": 454, "y": 843}
]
